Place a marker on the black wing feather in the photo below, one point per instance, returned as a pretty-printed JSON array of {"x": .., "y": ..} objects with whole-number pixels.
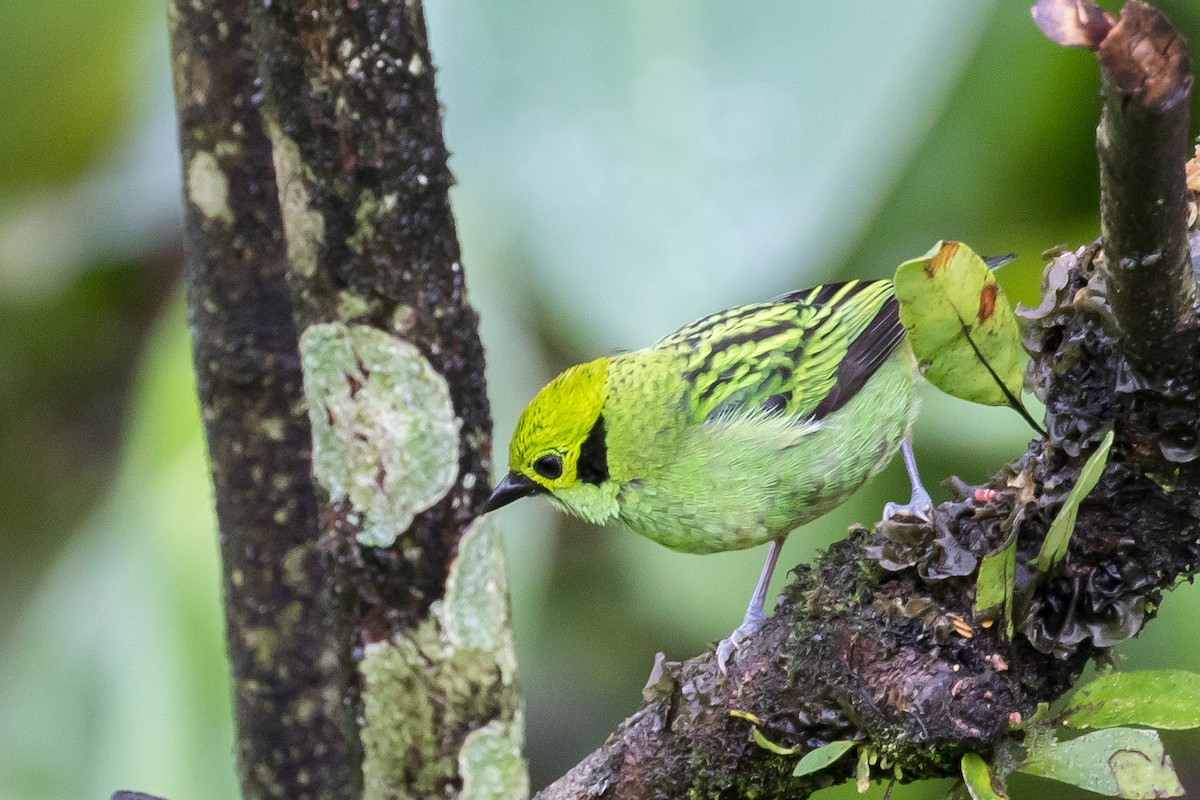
[{"x": 863, "y": 357}]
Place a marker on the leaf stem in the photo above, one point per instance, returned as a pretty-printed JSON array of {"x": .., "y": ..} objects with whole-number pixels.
[{"x": 1014, "y": 402}]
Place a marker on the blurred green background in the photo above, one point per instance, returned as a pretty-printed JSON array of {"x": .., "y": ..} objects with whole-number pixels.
[{"x": 623, "y": 167}]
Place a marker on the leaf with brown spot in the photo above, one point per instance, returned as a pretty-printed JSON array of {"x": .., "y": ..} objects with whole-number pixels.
[
  {"x": 941, "y": 259},
  {"x": 961, "y": 327},
  {"x": 987, "y": 303}
]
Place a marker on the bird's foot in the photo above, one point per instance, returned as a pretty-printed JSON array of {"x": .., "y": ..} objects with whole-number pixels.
[
  {"x": 918, "y": 510},
  {"x": 742, "y": 634}
]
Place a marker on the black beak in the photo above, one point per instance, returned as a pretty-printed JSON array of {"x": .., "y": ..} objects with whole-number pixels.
[{"x": 513, "y": 487}]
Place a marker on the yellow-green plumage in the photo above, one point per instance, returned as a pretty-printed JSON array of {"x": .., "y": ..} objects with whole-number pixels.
[{"x": 731, "y": 431}]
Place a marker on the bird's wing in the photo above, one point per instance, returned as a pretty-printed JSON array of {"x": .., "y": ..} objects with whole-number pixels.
[{"x": 803, "y": 355}]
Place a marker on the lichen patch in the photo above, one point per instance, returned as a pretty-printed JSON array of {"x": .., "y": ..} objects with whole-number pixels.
[
  {"x": 371, "y": 211},
  {"x": 491, "y": 763},
  {"x": 352, "y": 305},
  {"x": 415, "y": 690},
  {"x": 303, "y": 226},
  {"x": 385, "y": 436},
  {"x": 208, "y": 188},
  {"x": 475, "y": 607},
  {"x": 454, "y": 672}
]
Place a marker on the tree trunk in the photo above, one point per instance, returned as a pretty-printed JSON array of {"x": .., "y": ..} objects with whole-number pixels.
[{"x": 341, "y": 378}]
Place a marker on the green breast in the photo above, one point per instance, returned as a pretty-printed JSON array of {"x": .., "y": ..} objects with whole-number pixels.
[{"x": 737, "y": 482}]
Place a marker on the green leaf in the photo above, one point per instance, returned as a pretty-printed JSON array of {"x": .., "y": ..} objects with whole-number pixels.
[
  {"x": 822, "y": 757},
  {"x": 977, "y": 777},
  {"x": 766, "y": 744},
  {"x": 1059, "y": 536},
  {"x": 1119, "y": 762},
  {"x": 1168, "y": 699},
  {"x": 862, "y": 771},
  {"x": 994, "y": 586},
  {"x": 961, "y": 327}
]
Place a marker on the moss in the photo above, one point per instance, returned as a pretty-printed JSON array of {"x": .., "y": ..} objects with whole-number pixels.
[
  {"x": 442, "y": 716},
  {"x": 491, "y": 763},
  {"x": 352, "y": 306},
  {"x": 385, "y": 436},
  {"x": 371, "y": 210}
]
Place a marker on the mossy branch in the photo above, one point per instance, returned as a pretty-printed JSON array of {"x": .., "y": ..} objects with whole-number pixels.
[{"x": 879, "y": 640}]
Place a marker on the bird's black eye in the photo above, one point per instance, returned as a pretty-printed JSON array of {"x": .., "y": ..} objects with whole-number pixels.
[{"x": 549, "y": 467}]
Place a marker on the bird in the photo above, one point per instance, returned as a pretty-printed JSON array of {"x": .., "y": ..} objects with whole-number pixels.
[{"x": 732, "y": 431}]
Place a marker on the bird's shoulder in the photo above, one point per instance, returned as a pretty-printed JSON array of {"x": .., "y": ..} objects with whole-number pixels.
[{"x": 801, "y": 356}]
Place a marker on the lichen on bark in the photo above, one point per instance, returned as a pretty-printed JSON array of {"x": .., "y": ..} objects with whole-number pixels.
[
  {"x": 458, "y": 666},
  {"x": 393, "y": 375},
  {"x": 385, "y": 437},
  {"x": 316, "y": 192},
  {"x": 303, "y": 226}
]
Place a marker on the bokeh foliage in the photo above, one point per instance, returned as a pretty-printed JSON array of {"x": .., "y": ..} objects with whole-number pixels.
[{"x": 623, "y": 167}]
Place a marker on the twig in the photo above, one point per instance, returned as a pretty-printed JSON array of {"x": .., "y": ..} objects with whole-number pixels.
[{"x": 1143, "y": 145}]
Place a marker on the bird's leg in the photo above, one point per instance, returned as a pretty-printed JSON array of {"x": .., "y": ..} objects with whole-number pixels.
[
  {"x": 754, "y": 612},
  {"x": 920, "y": 505}
]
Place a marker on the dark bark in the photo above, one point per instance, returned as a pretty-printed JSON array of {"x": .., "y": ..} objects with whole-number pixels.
[
  {"x": 341, "y": 375},
  {"x": 879, "y": 640},
  {"x": 287, "y": 677},
  {"x": 1146, "y": 77},
  {"x": 351, "y": 86}
]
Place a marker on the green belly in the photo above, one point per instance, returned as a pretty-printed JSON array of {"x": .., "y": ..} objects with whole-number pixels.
[{"x": 730, "y": 487}]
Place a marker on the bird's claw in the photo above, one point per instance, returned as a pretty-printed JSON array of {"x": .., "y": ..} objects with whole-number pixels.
[
  {"x": 907, "y": 514},
  {"x": 918, "y": 510},
  {"x": 730, "y": 645}
]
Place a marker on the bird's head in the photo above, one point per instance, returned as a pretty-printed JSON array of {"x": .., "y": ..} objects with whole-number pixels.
[{"x": 559, "y": 447}]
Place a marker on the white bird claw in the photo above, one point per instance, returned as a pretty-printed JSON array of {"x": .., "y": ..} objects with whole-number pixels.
[
  {"x": 917, "y": 510},
  {"x": 727, "y": 647}
]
